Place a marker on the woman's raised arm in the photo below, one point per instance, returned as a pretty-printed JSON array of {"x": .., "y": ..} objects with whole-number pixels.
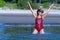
[
  {"x": 31, "y": 9},
  {"x": 48, "y": 10}
]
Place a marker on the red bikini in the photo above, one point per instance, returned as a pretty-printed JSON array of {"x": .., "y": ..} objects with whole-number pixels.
[{"x": 39, "y": 25}]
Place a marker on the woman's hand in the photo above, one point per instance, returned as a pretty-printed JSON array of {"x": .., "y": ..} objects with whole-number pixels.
[
  {"x": 49, "y": 9},
  {"x": 31, "y": 10},
  {"x": 52, "y": 5}
]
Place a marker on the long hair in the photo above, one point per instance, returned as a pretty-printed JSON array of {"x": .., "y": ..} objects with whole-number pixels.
[{"x": 39, "y": 10}]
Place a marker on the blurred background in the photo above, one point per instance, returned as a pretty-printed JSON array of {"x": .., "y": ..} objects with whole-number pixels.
[
  {"x": 22, "y": 4},
  {"x": 17, "y": 23}
]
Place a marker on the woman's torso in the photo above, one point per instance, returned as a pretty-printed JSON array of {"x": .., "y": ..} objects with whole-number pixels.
[{"x": 39, "y": 20}]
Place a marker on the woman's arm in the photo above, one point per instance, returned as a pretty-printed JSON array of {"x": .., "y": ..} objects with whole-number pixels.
[
  {"x": 48, "y": 10},
  {"x": 31, "y": 10}
]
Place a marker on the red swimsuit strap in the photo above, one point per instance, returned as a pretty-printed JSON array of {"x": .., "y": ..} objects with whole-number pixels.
[
  {"x": 36, "y": 20},
  {"x": 37, "y": 17},
  {"x": 41, "y": 20}
]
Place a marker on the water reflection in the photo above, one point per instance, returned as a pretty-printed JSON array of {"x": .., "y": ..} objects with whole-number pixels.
[
  {"x": 15, "y": 32},
  {"x": 23, "y": 30},
  {"x": 31, "y": 37}
]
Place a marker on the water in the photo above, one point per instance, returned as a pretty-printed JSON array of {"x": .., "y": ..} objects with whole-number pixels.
[{"x": 24, "y": 32}]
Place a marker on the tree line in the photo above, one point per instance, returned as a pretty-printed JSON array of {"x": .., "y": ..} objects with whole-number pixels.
[{"x": 22, "y": 4}]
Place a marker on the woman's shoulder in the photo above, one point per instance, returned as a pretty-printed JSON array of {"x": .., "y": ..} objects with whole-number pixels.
[
  {"x": 36, "y": 17},
  {"x": 43, "y": 16}
]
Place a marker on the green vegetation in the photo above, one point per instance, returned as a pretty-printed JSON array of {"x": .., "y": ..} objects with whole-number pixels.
[
  {"x": 35, "y": 5},
  {"x": 53, "y": 29},
  {"x": 17, "y": 30},
  {"x": 46, "y": 5},
  {"x": 22, "y": 4},
  {"x": 23, "y": 30},
  {"x": 11, "y": 6},
  {"x": 2, "y": 3}
]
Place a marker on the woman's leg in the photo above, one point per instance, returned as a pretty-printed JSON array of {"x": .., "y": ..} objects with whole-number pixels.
[
  {"x": 42, "y": 31},
  {"x": 35, "y": 31}
]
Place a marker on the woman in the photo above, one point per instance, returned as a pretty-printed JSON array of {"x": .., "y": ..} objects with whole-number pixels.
[{"x": 39, "y": 19}]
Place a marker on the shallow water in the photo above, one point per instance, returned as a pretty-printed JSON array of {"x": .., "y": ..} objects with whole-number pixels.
[
  {"x": 30, "y": 37},
  {"x": 24, "y": 32}
]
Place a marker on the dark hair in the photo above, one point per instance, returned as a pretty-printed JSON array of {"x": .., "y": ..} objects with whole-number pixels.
[{"x": 39, "y": 10}]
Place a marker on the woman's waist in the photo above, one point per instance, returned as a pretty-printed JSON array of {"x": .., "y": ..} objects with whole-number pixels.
[{"x": 38, "y": 24}]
